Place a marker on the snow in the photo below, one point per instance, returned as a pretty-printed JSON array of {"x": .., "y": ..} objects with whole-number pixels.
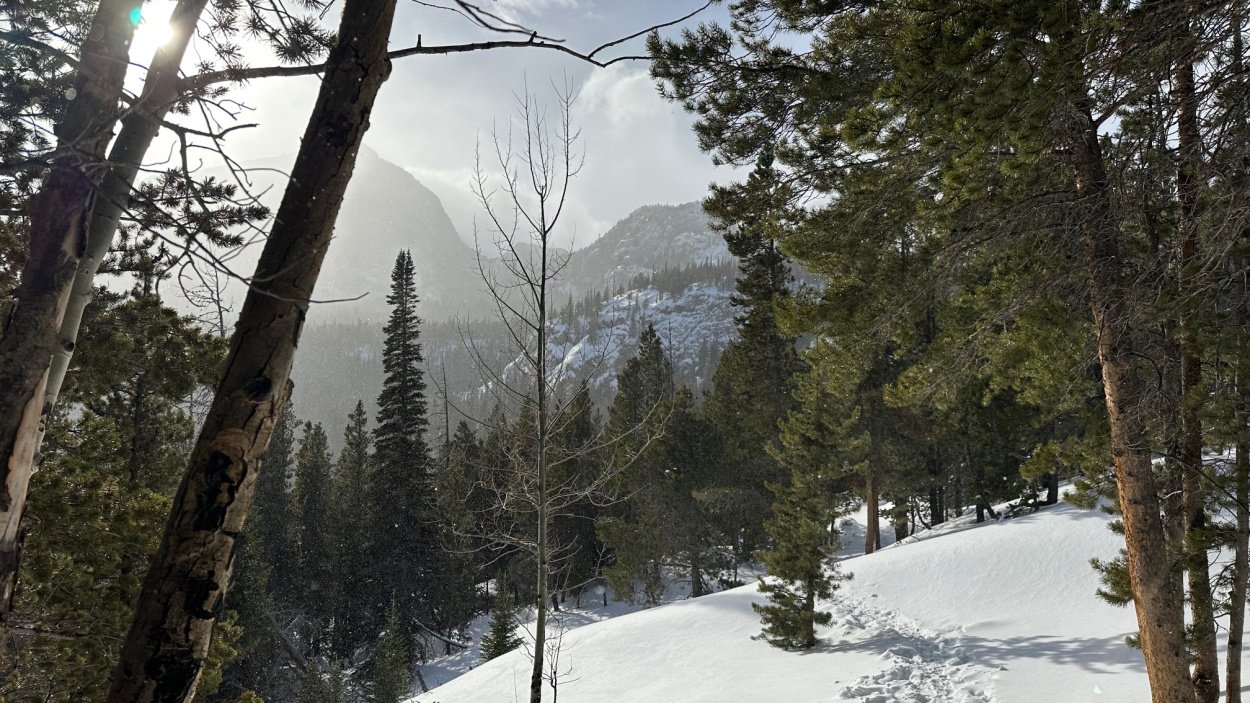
[{"x": 1000, "y": 612}]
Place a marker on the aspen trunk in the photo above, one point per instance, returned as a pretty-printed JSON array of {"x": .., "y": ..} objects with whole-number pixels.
[
  {"x": 540, "y": 627},
  {"x": 138, "y": 130},
  {"x": 58, "y": 220},
  {"x": 163, "y": 655}
]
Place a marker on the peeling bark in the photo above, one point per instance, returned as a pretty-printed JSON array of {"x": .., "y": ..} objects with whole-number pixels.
[{"x": 58, "y": 218}]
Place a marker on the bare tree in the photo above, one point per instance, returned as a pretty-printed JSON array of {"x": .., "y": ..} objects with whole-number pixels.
[{"x": 537, "y": 157}]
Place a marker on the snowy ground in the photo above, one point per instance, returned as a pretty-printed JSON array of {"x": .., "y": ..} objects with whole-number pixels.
[{"x": 1000, "y": 612}]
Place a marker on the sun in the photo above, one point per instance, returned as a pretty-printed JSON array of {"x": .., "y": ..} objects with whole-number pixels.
[{"x": 152, "y": 29}]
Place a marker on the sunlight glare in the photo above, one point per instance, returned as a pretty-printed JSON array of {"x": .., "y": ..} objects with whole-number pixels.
[{"x": 153, "y": 30}]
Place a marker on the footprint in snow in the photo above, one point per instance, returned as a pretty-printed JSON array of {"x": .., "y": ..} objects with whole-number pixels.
[{"x": 920, "y": 666}]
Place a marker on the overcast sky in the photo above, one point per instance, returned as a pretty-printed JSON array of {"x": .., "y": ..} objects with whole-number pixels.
[{"x": 639, "y": 148}]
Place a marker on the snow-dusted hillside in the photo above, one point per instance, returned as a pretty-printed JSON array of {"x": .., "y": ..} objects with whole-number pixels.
[
  {"x": 649, "y": 239},
  {"x": 1003, "y": 612},
  {"x": 695, "y": 324}
]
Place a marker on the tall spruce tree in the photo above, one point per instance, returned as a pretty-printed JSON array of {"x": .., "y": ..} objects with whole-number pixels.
[
  {"x": 351, "y": 477},
  {"x": 318, "y": 550},
  {"x": 576, "y": 458},
  {"x": 639, "y": 411},
  {"x": 752, "y": 383},
  {"x": 403, "y": 529},
  {"x": 273, "y": 525}
]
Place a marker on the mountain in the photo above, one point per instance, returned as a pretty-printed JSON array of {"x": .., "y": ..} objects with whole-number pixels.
[
  {"x": 648, "y": 240},
  {"x": 1004, "y": 612},
  {"x": 386, "y": 210},
  {"x": 662, "y": 265}
]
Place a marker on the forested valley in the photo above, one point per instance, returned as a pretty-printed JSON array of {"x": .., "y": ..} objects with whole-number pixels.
[{"x": 961, "y": 322}]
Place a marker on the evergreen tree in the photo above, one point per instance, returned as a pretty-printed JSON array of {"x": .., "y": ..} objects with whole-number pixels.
[
  {"x": 273, "y": 522},
  {"x": 391, "y": 680},
  {"x": 352, "y": 568},
  {"x": 104, "y": 490},
  {"x": 946, "y": 170},
  {"x": 799, "y": 563},
  {"x": 263, "y": 665},
  {"x": 502, "y": 637},
  {"x": 322, "y": 688},
  {"x": 267, "y": 569},
  {"x": 753, "y": 380},
  {"x": 576, "y": 463},
  {"x": 318, "y": 551},
  {"x": 404, "y": 550},
  {"x": 638, "y": 416},
  {"x": 453, "y": 589}
]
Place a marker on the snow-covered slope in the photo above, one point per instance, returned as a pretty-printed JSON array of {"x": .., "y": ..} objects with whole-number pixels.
[{"x": 1003, "y": 612}]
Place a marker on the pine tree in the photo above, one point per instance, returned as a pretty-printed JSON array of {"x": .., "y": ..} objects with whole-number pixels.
[
  {"x": 391, "y": 680},
  {"x": 949, "y": 165},
  {"x": 576, "y": 462},
  {"x": 502, "y": 637},
  {"x": 272, "y": 523},
  {"x": 799, "y": 562},
  {"x": 753, "y": 380},
  {"x": 638, "y": 414},
  {"x": 403, "y": 528},
  {"x": 352, "y": 569},
  {"x": 262, "y": 665},
  {"x": 317, "y": 548},
  {"x": 104, "y": 492},
  {"x": 322, "y": 688}
]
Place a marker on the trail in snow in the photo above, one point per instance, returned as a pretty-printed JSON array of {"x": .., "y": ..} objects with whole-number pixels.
[{"x": 918, "y": 665}]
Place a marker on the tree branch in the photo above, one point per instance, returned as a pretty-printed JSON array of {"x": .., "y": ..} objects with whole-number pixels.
[{"x": 201, "y": 80}]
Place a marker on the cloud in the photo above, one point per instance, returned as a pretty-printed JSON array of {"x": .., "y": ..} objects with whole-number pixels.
[
  {"x": 639, "y": 148},
  {"x": 514, "y": 10}
]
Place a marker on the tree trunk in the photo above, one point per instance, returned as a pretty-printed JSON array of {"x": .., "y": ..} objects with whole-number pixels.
[
  {"x": 58, "y": 220},
  {"x": 898, "y": 518},
  {"x": 937, "y": 511},
  {"x": 1241, "y": 561},
  {"x": 1159, "y": 615},
  {"x": 872, "y": 540},
  {"x": 540, "y": 627},
  {"x": 697, "y": 588},
  {"x": 1206, "y": 671},
  {"x": 164, "y": 652},
  {"x": 1051, "y": 479},
  {"x": 138, "y": 130}
]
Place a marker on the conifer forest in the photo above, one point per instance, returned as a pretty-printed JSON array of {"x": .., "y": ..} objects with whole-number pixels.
[{"x": 599, "y": 351}]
